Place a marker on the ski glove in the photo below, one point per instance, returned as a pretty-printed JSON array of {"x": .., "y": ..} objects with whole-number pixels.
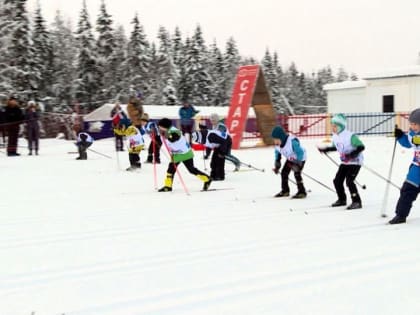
[
  {"x": 277, "y": 165},
  {"x": 398, "y": 133},
  {"x": 327, "y": 149},
  {"x": 415, "y": 140},
  {"x": 353, "y": 154}
]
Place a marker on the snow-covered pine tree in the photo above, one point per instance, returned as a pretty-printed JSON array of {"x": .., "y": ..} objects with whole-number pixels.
[
  {"x": 105, "y": 46},
  {"x": 183, "y": 84},
  {"x": 88, "y": 80},
  {"x": 6, "y": 22},
  {"x": 63, "y": 70},
  {"x": 278, "y": 99},
  {"x": 197, "y": 77},
  {"x": 324, "y": 76},
  {"x": 292, "y": 86},
  {"x": 20, "y": 72},
  {"x": 119, "y": 83},
  {"x": 272, "y": 80},
  {"x": 163, "y": 70},
  {"x": 218, "y": 75},
  {"x": 138, "y": 58},
  {"x": 342, "y": 75},
  {"x": 43, "y": 55},
  {"x": 169, "y": 93},
  {"x": 232, "y": 61}
]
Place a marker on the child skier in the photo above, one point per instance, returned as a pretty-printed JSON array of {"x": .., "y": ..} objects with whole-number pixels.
[
  {"x": 349, "y": 147},
  {"x": 288, "y": 146},
  {"x": 180, "y": 151},
  {"x": 220, "y": 142},
  {"x": 410, "y": 188},
  {"x": 84, "y": 141},
  {"x": 215, "y": 120},
  {"x": 151, "y": 128}
]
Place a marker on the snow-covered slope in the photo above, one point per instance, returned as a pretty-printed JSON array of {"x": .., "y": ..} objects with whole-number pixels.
[{"x": 86, "y": 237}]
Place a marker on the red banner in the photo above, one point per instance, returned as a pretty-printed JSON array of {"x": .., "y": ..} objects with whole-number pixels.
[{"x": 242, "y": 94}]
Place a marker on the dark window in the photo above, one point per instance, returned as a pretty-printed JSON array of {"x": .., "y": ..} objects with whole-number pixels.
[{"x": 388, "y": 103}]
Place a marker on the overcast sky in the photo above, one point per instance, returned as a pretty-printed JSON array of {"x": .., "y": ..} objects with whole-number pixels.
[{"x": 363, "y": 36}]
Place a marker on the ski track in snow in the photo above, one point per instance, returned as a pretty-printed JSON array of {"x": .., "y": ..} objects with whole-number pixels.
[{"x": 126, "y": 249}]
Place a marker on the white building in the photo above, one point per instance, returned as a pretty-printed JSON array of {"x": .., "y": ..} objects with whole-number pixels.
[{"x": 396, "y": 90}]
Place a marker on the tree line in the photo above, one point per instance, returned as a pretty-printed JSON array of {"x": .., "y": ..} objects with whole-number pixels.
[{"x": 94, "y": 64}]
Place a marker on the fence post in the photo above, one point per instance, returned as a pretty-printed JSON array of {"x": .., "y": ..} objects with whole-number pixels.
[{"x": 327, "y": 128}]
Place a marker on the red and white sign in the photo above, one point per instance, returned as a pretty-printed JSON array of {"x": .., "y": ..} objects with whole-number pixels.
[{"x": 242, "y": 94}]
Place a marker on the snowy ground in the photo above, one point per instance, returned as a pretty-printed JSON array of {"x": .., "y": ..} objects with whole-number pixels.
[{"x": 86, "y": 237}]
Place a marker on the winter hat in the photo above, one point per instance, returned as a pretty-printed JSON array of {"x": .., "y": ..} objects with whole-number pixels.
[
  {"x": 165, "y": 123},
  {"x": 221, "y": 127},
  {"x": 340, "y": 121},
  {"x": 415, "y": 116},
  {"x": 214, "y": 118},
  {"x": 279, "y": 133},
  {"x": 145, "y": 117}
]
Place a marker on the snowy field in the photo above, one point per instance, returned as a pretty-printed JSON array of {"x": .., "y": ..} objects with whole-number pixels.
[{"x": 87, "y": 237}]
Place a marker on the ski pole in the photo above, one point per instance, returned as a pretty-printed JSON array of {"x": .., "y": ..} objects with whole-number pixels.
[
  {"x": 154, "y": 158},
  {"x": 332, "y": 160},
  {"x": 318, "y": 182},
  {"x": 118, "y": 160},
  {"x": 204, "y": 159},
  {"x": 382, "y": 177},
  {"x": 253, "y": 167},
  {"x": 175, "y": 166},
  {"x": 383, "y": 208},
  {"x": 107, "y": 156}
]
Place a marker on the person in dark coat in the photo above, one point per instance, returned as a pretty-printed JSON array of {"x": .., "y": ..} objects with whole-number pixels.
[
  {"x": 32, "y": 127},
  {"x": 119, "y": 118},
  {"x": 2, "y": 126},
  {"x": 186, "y": 115},
  {"x": 13, "y": 118}
]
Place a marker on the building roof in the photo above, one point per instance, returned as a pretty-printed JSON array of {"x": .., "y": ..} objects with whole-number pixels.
[
  {"x": 345, "y": 85},
  {"x": 412, "y": 71}
]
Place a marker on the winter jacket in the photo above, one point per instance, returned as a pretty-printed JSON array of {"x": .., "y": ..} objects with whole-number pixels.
[
  {"x": 186, "y": 114},
  {"x": 413, "y": 176}
]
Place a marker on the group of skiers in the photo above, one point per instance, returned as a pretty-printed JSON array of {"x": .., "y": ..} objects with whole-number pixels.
[
  {"x": 350, "y": 148},
  {"x": 216, "y": 140}
]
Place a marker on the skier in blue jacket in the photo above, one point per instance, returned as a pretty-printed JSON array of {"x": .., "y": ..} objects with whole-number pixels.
[
  {"x": 288, "y": 146},
  {"x": 411, "y": 187}
]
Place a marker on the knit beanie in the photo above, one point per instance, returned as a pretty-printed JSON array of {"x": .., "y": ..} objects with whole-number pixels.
[
  {"x": 340, "y": 121},
  {"x": 221, "y": 127},
  {"x": 165, "y": 123},
  {"x": 144, "y": 117},
  {"x": 279, "y": 133},
  {"x": 214, "y": 118},
  {"x": 415, "y": 116}
]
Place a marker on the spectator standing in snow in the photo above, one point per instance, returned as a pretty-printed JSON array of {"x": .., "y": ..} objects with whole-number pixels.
[
  {"x": 13, "y": 118},
  {"x": 119, "y": 118},
  {"x": 410, "y": 188},
  {"x": 2, "y": 125},
  {"x": 288, "y": 146},
  {"x": 32, "y": 126},
  {"x": 186, "y": 115},
  {"x": 350, "y": 148}
]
